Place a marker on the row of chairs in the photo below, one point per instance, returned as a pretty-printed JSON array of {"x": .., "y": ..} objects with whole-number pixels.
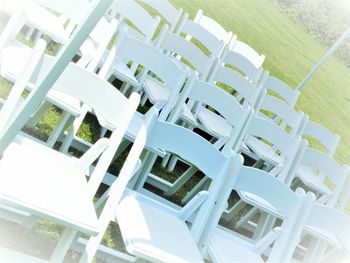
[{"x": 185, "y": 93}]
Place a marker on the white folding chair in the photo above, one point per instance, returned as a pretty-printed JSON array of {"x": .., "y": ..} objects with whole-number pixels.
[
  {"x": 283, "y": 156},
  {"x": 233, "y": 82},
  {"x": 151, "y": 228},
  {"x": 54, "y": 185},
  {"x": 321, "y": 174},
  {"x": 140, "y": 25},
  {"x": 280, "y": 89},
  {"x": 246, "y": 51},
  {"x": 208, "y": 41},
  {"x": 213, "y": 27},
  {"x": 241, "y": 64},
  {"x": 279, "y": 112},
  {"x": 187, "y": 52},
  {"x": 38, "y": 15},
  {"x": 235, "y": 118},
  {"x": 321, "y": 138},
  {"x": 167, "y": 11},
  {"x": 330, "y": 226},
  {"x": 136, "y": 51},
  {"x": 225, "y": 245}
]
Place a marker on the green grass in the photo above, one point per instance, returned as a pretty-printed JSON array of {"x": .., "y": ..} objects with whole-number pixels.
[{"x": 290, "y": 54}]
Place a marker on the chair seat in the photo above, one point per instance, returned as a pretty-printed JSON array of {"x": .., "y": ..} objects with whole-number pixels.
[
  {"x": 47, "y": 23},
  {"x": 154, "y": 234},
  {"x": 214, "y": 123},
  {"x": 264, "y": 151},
  {"x": 156, "y": 91},
  {"x": 123, "y": 72},
  {"x": 312, "y": 180},
  {"x": 46, "y": 183},
  {"x": 14, "y": 57},
  {"x": 224, "y": 247},
  {"x": 259, "y": 202},
  {"x": 330, "y": 238},
  {"x": 40, "y": 18},
  {"x": 188, "y": 116},
  {"x": 133, "y": 129}
]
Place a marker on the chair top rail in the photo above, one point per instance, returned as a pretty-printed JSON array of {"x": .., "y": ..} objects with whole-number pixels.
[
  {"x": 282, "y": 89},
  {"x": 328, "y": 139},
  {"x": 166, "y": 10}
]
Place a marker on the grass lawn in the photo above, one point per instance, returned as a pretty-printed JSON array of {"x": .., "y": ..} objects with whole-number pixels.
[{"x": 290, "y": 54}]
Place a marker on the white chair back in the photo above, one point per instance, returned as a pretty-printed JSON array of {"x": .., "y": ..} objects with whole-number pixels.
[
  {"x": 133, "y": 50},
  {"x": 242, "y": 64},
  {"x": 207, "y": 39},
  {"x": 167, "y": 11},
  {"x": 133, "y": 12},
  {"x": 322, "y": 135},
  {"x": 280, "y": 89},
  {"x": 279, "y": 111},
  {"x": 247, "y": 51},
  {"x": 213, "y": 27},
  {"x": 186, "y": 50},
  {"x": 236, "y": 84}
]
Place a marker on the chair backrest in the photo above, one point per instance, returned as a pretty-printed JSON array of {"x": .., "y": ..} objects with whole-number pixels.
[
  {"x": 280, "y": 89},
  {"x": 10, "y": 106},
  {"x": 179, "y": 46},
  {"x": 331, "y": 220},
  {"x": 197, "y": 151},
  {"x": 278, "y": 110},
  {"x": 217, "y": 99},
  {"x": 247, "y": 51},
  {"x": 131, "y": 49},
  {"x": 290, "y": 204},
  {"x": 167, "y": 11},
  {"x": 72, "y": 9},
  {"x": 328, "y": 169},
  {"x": 283, "y": 143},
  {"x": 144, "y": 24},
  {"x": 242, "y": 64},
  {"x": 96, "y": 45},
  {"x": 194, "y": 30},
  {"x": 213, "y": 27},
  {"x": 322, "y": 135},
  {"x": 235, "y": 83},
  {"x": 260, "y": 183}
]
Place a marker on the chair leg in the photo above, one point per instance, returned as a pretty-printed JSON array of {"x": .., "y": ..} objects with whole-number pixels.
[
  {"x": 44, "y": 107},
  {"x": 64, "y": 244},
  {"x": 230, "y": 213},
  {"x": 144, "y": 171},
  {"x": 75, "y": 127},
  {"x": 265, "y": 224},
  {"x": 92, "y": 245},
  {"x": 166, "y": 160},
  {"x": 317, "y": 252},
  {"x": 246, "y": 217},
  {"x": 172, "y": 163},
  {"x": 181, "y": 180},
  {"x": 195, "y": 190},
  {"x": 62, "y": 123}
]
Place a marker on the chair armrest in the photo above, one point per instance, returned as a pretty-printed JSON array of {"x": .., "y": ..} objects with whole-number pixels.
[
  {"x": 193, "y": 205},
  {"x": 92, "y": 154},
  {"x": 267, "y": 240}
]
